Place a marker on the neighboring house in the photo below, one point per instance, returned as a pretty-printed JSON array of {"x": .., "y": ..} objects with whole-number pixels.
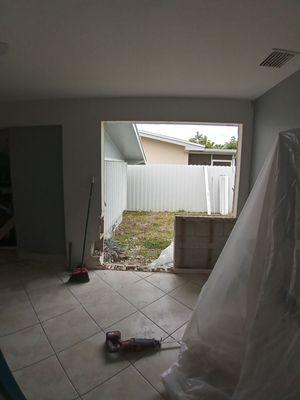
[
  {"x": 216, "y": 157},
  {"x": 160, "y": 149},
  {"x": 122, "y": 146}
]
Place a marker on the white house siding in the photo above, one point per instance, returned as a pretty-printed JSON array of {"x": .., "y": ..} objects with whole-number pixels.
[
  {"x": 115, "y": 185},
  {"x": 111, "y": 150},
  {"x": 115, "y": 189}
]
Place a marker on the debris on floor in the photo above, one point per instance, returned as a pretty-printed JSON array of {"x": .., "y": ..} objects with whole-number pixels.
[
  {"x": 116, "y": 259},
  {"x": 129, "y": 267},
  {"x": 165, "y": 260}
]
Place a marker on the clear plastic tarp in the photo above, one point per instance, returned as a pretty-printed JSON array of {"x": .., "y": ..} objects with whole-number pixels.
[
  {"x": 165, "y": 259},
  {"x": 243, "y": 340}
]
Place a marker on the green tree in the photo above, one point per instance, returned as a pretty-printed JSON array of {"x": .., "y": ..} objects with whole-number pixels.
[
  {"x": 232, "y": 144},
  {"x": 199, "y": 138},
  {"x": 202, "y": 139}
]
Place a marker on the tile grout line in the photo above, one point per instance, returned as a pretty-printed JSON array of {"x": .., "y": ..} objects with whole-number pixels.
[
  {"x": 103, "y": 329},
  {"x": 34, "y": 363},
  {"x": 106, "y": 380},
  {"x": 100, "y": 327},
  {"x": 57, "y": 358},
  {"x": 177, "y": 330},
  {"x": 140, "y": 310},
  {"x": 131, "y": 363},
  {"x": 122, "y": 319},
  {"x": 139, "y": 278},
  {"x": 153, "y": 284},
  {"x": 181, "y": 302},
  {"x": 20, "y": 330},
  {"x": 82, "y": 305},
  {"x": 139, "y": 372},
  {"x": 137, "y": 310},
  {"x": 75, "y": 344},
  {"x": 169, "y": 293},
  {"x": 61, "y": 314}
]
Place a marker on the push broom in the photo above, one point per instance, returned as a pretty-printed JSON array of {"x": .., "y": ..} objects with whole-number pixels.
[{"x": 80, "y": 273}]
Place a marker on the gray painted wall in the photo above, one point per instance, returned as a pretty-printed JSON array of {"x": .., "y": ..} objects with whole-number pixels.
[
  {"x": 36, "y": 172},
  {"x": 4, "y": 146},
  {"x": 277, "y": 110},
  {"x": 81, "y": 121}
]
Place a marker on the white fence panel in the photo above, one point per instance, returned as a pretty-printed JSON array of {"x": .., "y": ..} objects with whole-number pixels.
[
  {"x": 221, "y": 195},
  {"x": 178, "y": 187},
  {"x": 115, "y": 194}
]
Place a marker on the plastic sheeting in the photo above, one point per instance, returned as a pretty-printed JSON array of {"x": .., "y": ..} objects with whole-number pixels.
[
  {"x": 243, "y": 340},
  {"x": 165, "y": 259}
]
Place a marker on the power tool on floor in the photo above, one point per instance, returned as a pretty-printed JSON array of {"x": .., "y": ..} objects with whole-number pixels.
[{"x": 114, "y": 343}]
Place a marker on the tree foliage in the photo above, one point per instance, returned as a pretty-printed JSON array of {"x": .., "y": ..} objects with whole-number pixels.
[
  {"x": 199, "y": 138},
  {"x": 232, "y": 144}
]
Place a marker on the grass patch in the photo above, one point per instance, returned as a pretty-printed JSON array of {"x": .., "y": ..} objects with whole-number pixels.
[{"x": 143, "y": 235}]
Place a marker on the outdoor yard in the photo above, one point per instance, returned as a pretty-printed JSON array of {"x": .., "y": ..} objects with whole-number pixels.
[{"x": 142, "y": 236}]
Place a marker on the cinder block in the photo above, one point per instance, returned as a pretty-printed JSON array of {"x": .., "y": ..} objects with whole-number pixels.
[{"x": 199, "y": 240}]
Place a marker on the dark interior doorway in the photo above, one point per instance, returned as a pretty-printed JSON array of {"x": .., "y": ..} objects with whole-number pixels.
[{"x": 7, "y": 222}]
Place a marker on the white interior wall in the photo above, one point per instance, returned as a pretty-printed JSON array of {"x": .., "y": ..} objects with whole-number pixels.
[
  {"x": 81, "y": 122},
  {"x": 276, "y": 111}
]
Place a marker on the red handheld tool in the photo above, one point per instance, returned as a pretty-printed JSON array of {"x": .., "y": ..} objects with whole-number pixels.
[{"x": 114, "y": 343}]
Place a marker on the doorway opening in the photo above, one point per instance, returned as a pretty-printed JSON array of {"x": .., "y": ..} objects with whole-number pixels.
[
  {"x": 153, "y": 172},
  {"x": 8, "y": 238}
]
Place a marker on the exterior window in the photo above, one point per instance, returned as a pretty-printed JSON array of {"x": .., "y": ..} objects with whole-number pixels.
[{"x": 222, "y": 163}]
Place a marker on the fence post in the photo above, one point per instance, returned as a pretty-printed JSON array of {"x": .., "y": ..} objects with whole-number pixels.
[
  {"x": 207, "y": 191},
  {"x": 224, "y": 194}
]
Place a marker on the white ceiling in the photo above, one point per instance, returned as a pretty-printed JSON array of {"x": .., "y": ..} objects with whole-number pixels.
[{"x": 91, "y": 48}]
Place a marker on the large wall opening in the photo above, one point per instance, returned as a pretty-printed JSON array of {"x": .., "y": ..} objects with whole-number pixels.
[{"x": 152, "y": 172}]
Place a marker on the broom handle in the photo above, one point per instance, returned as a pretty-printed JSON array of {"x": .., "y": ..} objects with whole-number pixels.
[{"x": 87, "y": 220}]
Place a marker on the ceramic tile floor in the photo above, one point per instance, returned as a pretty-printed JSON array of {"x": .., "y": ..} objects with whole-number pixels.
[{"x": 52, "y": 334}]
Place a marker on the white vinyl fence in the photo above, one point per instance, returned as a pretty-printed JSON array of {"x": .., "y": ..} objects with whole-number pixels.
[
  {"x": 195, "y": 188},
  {"x": 115, "y": 194}
]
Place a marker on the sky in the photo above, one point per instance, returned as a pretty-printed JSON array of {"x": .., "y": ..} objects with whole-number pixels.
[{"x": 216, "y": 133}]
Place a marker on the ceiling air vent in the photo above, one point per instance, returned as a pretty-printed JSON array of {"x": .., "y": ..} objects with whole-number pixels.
[{"x": 278, "y": 58}]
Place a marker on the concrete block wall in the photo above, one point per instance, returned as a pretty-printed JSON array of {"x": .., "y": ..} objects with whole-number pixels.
[{"x": 199, "y": 240}]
